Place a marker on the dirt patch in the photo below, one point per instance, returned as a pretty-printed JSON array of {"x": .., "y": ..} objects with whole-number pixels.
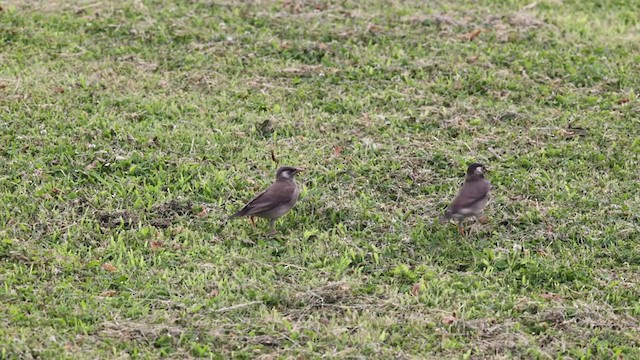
[
  {"x": 161, "y": 215},
  {"x": 330, "y": 293},
  {"x": 524, "y": 20},
  {"x": 164, "y": 214},
  {"x": 129, "y": 330},
  {"x": 307, "y": 71},
  {"x": 266, "y": 340},
  {"x": 114, "y": 219}
]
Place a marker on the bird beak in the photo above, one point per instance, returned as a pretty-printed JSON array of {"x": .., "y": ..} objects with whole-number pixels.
[{"x": 300, "y": 170}]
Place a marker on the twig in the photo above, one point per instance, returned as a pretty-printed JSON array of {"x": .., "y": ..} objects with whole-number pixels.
[{"x": 239, "y": 306}]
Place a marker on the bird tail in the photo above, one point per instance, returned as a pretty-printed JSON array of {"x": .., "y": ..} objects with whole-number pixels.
[{"x": 238, "y": 214}]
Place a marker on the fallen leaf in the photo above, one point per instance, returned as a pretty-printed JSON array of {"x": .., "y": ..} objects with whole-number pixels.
[
  {"x": 273, "y": 157},
  {"x": 551, "y": 296},
  {"x": 55, "y": 191},
  {"x": 473, "y": 59},
  {"x": 59, "y": 90},
  {"x": 214, "y": 292},
  {"x": 623, "y": 101},
  {"x": 337, "y": 150},
  {"x": 415, "y": 289},
  {"x": 203, "y": 213},
  {"x": 448, "y": 319},
  {"x": 471, "y": 35},
  {"x": 323, "y": 46},
  {"x": 155, "y": 244},
  {"x": 109, "y": 267},
  {"x": 374, "y": 28},
  {"x": 109, "y": 293}
]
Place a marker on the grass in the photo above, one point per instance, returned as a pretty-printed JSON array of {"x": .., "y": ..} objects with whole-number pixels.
[{"x": 130, "y": 130}]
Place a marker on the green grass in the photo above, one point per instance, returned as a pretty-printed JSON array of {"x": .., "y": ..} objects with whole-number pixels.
[{"x": 130, "y": 130}]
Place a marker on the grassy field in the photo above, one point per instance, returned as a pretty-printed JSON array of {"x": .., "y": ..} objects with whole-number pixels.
[{"x": 130, "y": 130}]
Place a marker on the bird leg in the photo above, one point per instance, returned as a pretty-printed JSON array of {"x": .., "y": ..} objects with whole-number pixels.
[
  {"x": 272, "y": 226},
  {"x": 252, "y": 221},
  {"x": 460, "y": 228}
]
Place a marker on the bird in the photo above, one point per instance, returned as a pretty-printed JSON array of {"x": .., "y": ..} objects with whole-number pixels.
[
  {"x": 472, "y": 197},
  {"x": 274, "y": 201}
]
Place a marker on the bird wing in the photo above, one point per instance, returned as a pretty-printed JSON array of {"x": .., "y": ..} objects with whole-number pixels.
[
  {"x": 470, "y": 194},
  {"x": 275, "y": 195}
]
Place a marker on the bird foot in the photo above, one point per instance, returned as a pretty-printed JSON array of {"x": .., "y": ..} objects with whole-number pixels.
[
  {"x": 272, "y": 233},
  {"x": 461, "y": 230}
]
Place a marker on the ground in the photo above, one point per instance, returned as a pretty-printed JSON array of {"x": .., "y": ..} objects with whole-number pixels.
[{"x": 130, "y": 130}]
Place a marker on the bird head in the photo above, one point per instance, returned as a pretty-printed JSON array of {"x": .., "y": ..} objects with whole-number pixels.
[
  {"x": 287, "y": 172},
  {"x": 475, "y": 171}
]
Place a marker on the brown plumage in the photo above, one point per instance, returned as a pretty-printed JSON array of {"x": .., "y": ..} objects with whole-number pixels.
[
  {"x": 472, "y": 197},
  {"x": 274, "y": 201}
]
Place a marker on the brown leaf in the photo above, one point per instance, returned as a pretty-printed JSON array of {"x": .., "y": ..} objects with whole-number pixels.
[
  {"x": 109, "y": 267},
  {"x": 372, "y": 28},
  {"x": 471, "y": 35},
  {"x": 415, "y": 289},
  {"x": 323, "y": 46},
  {"x": 448, "y": 319},
  {"x": 109, "y": 293},
  {"x": 472, "y": 59},
  {"x": 273, "y": 157},
  {"x": 59, "y": 90},
  {"x": 155, "y": 244},
  {"x": 337, "y": 151},
  {"x": 203, "y": 213},
  {"x": 214, "y": 292},
  {"x": 623, "y": 101},
  {"x": 551, "y": 296},
  {"x": 55, "y": 191}
]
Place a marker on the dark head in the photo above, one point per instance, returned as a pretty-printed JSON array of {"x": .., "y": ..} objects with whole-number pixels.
[
  {"x": 287, "y": 172},
  {"x": 475, "y": 171}
]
